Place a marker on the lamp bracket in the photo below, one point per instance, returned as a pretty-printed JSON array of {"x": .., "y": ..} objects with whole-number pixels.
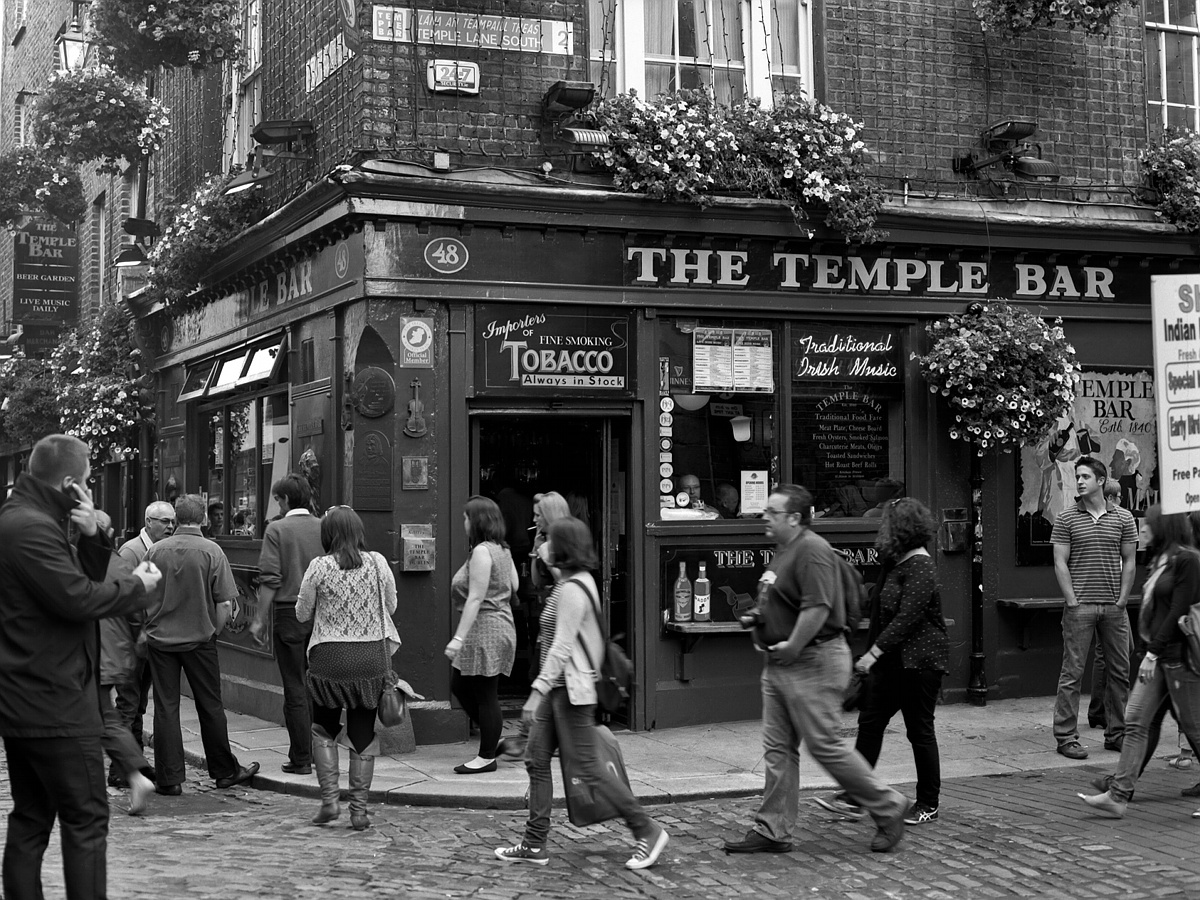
[{"x": 268, "y": 153}]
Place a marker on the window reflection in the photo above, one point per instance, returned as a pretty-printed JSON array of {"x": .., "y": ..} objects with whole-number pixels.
[{"x": 243, "y": 469}]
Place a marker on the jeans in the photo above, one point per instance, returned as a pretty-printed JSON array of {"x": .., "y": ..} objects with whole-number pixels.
[
  {"x": 1079, "y": 623},
  {"x": 572, "y": 729},
  {"x": 291, "y": 654},
  {"x": 803, "y": 702},
  {"x": 63, "y": 778},
  {"x": 1095, "y": 710},
  {"x": 118, "y": 741},
  {"x": 132, "y": 697},
  {"x": 204, "y": 675},
  {"x": 913, "y": 693},
  {"x": 1146, "y": 702}
]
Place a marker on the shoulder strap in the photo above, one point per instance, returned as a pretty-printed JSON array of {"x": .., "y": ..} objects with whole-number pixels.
[{"x": 599, "y": 621}]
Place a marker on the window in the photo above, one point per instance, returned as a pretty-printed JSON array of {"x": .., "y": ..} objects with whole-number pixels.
[
  {"x": 717, "y": 434},
  {"x": 721, "y": 440},
  {"x": 847, "y": 417},
  {"x": 731, "y": 48},
  {"x": 245, "y": 452},
  {"x": 245, "y": 86},
  {"x": 1172, "y": 34},
  {"x": 20, "y": 14},
  {"x": 23, "y": 119}
]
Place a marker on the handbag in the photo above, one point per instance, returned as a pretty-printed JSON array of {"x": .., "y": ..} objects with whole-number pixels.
[
  {"x": 853, "y": 695},
  {"x": 392, "y": 708},
  {"x": 586, "y": 805},
  {"x": 1189, "y": 624}
]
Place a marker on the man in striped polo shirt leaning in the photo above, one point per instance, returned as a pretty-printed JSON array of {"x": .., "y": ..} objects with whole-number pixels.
[{"x": 1094, "y": 544}]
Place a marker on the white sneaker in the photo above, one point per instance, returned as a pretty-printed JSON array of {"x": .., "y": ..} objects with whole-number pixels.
[{"x": 647, "y": 850}]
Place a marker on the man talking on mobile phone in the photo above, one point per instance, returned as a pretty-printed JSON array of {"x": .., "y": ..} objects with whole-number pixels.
[{"x": 51, "y": 595}]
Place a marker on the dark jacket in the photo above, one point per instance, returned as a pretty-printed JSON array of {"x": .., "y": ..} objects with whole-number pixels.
[
  {"x": 907, "y": 618},
  {"x": 49, "y": 605},
  {"x": 1177, "y": 588}
]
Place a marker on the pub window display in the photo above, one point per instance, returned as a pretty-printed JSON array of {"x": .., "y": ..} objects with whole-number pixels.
[
  {"x": 718, "y": 408},
  {"x": 847, "y": 417}
]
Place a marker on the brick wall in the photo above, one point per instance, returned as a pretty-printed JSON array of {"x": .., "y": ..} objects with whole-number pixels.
[{"x": 926, "y": 81}]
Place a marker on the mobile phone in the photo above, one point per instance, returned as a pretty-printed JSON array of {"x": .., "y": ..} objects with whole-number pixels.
[{"x": 71, "y": 493}]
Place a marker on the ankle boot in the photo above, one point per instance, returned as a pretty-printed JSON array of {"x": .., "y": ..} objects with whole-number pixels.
[
  {"x": 325, "y": 758},
  {"x": 362, "y": 771}
]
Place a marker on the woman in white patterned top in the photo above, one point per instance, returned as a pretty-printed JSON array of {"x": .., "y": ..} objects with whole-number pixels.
[{"x": 350, "y": 593}]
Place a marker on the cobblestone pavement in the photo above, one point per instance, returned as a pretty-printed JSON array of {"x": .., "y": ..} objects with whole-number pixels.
[{"x": 1010, "y": 836}]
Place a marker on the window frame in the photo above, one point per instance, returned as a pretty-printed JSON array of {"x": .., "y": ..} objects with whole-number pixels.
[
  {"x": 1160, "y": 110},
  {"x": 624, "y": 61}
]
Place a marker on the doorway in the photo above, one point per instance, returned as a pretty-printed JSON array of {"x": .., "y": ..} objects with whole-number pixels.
[{"x": 584, "y": 457}]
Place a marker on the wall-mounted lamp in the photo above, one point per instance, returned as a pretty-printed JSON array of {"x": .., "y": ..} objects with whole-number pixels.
[
  {"x": 143, "y": 233},
  {"x": 565, "y": 98},
  {"x": 274, "y": 132},
  {"x": 690, "y": 402},
  {"x": 253, "y": 176},
  {"x": 71, "y": 45},
  {"x": 741, "y": 428},
  {"x": 1007, "y": 144}
]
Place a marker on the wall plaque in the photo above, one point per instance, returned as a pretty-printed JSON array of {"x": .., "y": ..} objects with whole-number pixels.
[
  {"x": 414, "y": 473},
  {"x": 373, "y": 392},
  {"x": 372, "y": 477}
]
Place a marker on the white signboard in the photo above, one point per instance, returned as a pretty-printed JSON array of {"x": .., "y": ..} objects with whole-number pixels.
[
  {"x": 1175, "y": 319},
  {"x": 754, "y": 491}
]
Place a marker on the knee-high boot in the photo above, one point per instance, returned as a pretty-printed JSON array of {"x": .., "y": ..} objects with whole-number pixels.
[
  {"x": 325, "y": 758},
  {"x": 362, "y": 771}
]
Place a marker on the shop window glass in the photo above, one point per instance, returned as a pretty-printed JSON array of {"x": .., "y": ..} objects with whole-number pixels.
[
  {"x": 847, "y": 416},
  {"x": 213, "y": 487},
  {"x": 276, "y": 432},
  {"x": 718, "y": 445},
  {"x": 243, "y": 469}
]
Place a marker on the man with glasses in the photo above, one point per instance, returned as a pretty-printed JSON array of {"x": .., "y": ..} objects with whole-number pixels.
[
  {"x": 133, "y": 691},
  {"x": 803, "y": 678}
]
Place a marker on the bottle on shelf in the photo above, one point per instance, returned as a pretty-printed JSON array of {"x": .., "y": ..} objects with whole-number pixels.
[
  {"x": 683, "y": 595},
  {"x": 702, "y": 596}
]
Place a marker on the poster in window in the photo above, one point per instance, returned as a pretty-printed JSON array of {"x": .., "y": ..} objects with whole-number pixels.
[
  {"x": 1113, "y": 420},
  {"x": 732, "y": 359}
]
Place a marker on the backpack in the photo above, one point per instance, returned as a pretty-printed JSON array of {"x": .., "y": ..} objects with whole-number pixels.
[
  {"x": 614, "y": 676},
  {"x": 1189, "y": 624},
  {"x": 854, "y": 592}
]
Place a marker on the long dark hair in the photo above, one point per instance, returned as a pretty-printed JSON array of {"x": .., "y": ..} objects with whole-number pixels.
[
  {"x": 343, "y": 537},
  {"x": 485, "y": 522},
  {"x": 1167, "y": 533},
  {"x": 906, "y": 525},
  {"x": 571, "y": 545}
]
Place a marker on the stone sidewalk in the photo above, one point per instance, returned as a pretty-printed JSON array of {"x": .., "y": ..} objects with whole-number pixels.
[{"x": 1006, "y": 737}]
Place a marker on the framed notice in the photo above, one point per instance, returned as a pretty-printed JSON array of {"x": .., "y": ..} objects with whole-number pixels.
[
  {"x": 732, "y": 359},
  {"x": 1175, "y": 324}
]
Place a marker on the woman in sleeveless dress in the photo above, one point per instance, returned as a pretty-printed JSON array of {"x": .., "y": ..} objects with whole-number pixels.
[{"x": 484, "y": 645}]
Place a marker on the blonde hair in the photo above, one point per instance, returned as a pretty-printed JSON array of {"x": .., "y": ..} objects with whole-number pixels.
[{"x": 553, "y": 506}]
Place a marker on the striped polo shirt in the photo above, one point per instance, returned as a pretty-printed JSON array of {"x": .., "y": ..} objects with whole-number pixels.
[{"x": 1095, "y": 562}]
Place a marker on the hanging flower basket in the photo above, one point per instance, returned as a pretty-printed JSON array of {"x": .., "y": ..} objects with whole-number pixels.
[
  {"x": 1172, "y": 169},
  {"x": 103, "y": 395},
  {"x": 142, "y": 35},
  {"x": 1007, "y": 375},
  {"x": 31, "y": 184},
  {"x": 96, "y": 114},
  {"x": 685, "y": 147},
  {"x": 1012, "y": 18},
  {"x": 184, "y": 254}
]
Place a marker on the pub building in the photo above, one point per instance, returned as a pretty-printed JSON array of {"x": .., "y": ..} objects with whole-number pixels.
[{"x": 408, "y": 339}]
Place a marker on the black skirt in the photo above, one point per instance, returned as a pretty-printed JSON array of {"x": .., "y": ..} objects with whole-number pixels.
[{"x": 349, "y": 674}]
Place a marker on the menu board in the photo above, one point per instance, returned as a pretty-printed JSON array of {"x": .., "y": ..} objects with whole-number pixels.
[
  {"x": 849, "y": 437},
  {"x": 732, "y": 359}
]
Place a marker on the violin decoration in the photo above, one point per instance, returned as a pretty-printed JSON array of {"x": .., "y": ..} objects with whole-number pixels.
[{"x": 415, "y": 426}]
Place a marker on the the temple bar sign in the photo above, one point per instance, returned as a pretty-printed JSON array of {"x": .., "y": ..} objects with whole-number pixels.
[
  {"x": 761, "y": 268},
  {"x": 536, "y": 350},
  {"x": 45, "y": 274}
]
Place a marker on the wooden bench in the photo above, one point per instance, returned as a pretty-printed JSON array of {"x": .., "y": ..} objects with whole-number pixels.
[{"x": 1026, "y": 607}]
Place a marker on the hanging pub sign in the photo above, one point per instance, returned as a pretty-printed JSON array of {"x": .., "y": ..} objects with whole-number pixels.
[
  {"x": 534, "y": 350},
  {"x": 45, "y": 274}
]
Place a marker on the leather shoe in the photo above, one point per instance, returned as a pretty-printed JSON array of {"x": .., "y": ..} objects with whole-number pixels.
[
  {"x": 244, "y": 773},
  {"x": 1193, "y": 791},
  {"x": 890, "y": 832},
  {"x": 464, "y": 769},
  {"x": 297, "y": 768},
  {"x": 754, "y": 842},
  {"x": 169, "y": 790},
  {"x": 1115, "y": 745},
  {"x": 1073, "y": 750},
  {"x": 1105, "y": 804}
]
